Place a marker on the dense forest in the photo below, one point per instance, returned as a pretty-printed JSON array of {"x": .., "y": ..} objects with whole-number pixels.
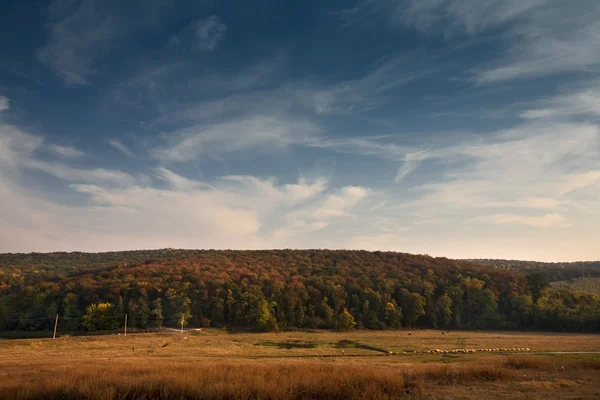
[
  {"x": 281, "y": 289},
  {"x": 552, "y": 271}
]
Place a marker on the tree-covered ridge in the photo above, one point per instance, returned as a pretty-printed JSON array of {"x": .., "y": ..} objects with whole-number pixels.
[
  {"x": 553, "y": 271},
  {"x": 591, "y": 285},
  {"x": 279, "y": 289}
]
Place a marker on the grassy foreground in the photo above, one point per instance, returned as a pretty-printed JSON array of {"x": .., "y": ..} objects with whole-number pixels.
[{"x": 338, "y": 365}]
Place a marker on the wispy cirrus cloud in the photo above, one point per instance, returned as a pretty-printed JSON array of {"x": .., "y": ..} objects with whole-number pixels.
[
  {"x": 532, "y": 167},
  {"x": 203, "y": 34},
  {"x": 369, "y": 90},
  {"x": 539, "y": 166},
  {"x": 19, "y": 152},
  {"x": 191, "y": 213},
  {"x": 245, "y": 133},
  {"x": 83, "y": 35},
  {"x": 579, "y": 101},
  {"x": 4, "y": 103},
  {"x": 119, "y": 145},
  {"x": 410, "y": 157},
  {"x": 79, "y": 31},
  {"x": 542, "y": 221},
  {"x": 65, "y": 151},
  {"x": 540, "y": 37}
]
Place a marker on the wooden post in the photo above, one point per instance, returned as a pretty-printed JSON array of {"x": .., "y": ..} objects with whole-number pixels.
[
  {"x": 55, "y": 325},
  {"x": 125, "y": 333}
]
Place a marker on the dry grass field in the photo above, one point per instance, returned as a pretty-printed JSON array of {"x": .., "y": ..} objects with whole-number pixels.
[{"x": 301, "y": 365}]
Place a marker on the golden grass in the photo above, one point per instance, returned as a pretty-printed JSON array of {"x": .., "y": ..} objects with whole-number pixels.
[
  {"x": 216, "y": 343},
  {"x": 300, "y": 380},
  {"x": 294, "y": 365},
  {"x": 168, "y": 380}
]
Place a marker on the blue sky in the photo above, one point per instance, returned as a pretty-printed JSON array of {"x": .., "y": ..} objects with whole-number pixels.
[{"x": 458, "y": 128}]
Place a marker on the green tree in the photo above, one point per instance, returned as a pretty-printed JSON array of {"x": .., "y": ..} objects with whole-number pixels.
[
  {"x": 537, "y": 283},
  {"x": 345, "y": 320},
  {"x": 140, "y": 313},
  {"x": 71, "y": 314},
  {"x": 4, "y": 315},
  {"x": 486, "y": 314},
  {"x": 100, "y": 317},
  {"x": 413, "y": 307},
  {"x": 444, "y": 310},
  {"x": 393, "y": 315},
  {"x": 157, "y": 313},
  {"x": 326, "y": 313},
  {"x": 522, "y": 310},
  {"x": 184, "y": 314}
]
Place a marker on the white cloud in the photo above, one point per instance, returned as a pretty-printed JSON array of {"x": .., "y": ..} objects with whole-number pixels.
[
  {"x": 539, "y": 37},
  {"x": 18, "y": 152},
  {"x": 378, "y": 242},
  {"x": 123, "y": 211},
  {"x": 4, "y": 103},
  {"x": 511, "y": 193},
  {"x": 338, "y": 205},
  {"x": 411, "y": 162},
  {"x": 118, "y": 144},
  {"x": 209, "y": 32},
  {"x": 584, "y": 101},
  {"x": 178, "y": 182},
  {"x": 532, "y": 161},
  {"x": 558, "y": 37},
  {"x": 65, "y": 151},
  {"x": 204, "y": 34},
  {"x": 410, "y": 157},
  {"x": 231, "y": 212},
  {"x": 83, "y": 34},
  {"x": 367, "y": 92},
  {"x": 483, "y": 189},
  {"x": 245, "y": 133},
  {"x": 471, "y": 16},
  {"x": 543, "y": 221},
  {"x": 16, "y": 144},
  {"x": 79, "y": 31},
  {"x": 68, "y": 173}
]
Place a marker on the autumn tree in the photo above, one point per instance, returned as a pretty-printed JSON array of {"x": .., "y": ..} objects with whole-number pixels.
[
  {"x": 99, "y": 317},
  {"x": 345, "y": 320}
]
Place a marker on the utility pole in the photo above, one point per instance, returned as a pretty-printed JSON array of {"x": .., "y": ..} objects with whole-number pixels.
[
  {"x": 125, "y": 333},
  {"x": 55, "y": 325}
]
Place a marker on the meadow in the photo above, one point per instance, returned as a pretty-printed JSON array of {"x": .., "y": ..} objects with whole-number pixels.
[{"x": 214, "y": 364}]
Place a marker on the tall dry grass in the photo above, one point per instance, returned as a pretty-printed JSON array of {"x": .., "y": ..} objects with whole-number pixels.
[
  {"x": 165, "y": 380},
  {"x": 549, "y": 364}
]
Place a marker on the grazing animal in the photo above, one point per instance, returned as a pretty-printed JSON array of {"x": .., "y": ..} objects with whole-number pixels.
[
  {"x": 443, "y": 333},
  {"x": 409, "y": 334}
]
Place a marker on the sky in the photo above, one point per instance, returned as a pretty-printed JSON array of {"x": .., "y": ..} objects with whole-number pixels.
[{"x": 456, "y": 128}]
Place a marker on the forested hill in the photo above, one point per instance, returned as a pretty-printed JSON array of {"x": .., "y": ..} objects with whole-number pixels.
[
  {"x": 552, "y": 271},
  {"x": 279, "y": 289}
]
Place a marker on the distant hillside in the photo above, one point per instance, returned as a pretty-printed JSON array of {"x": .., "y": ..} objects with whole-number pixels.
[
  {"x": 557, "y": 271},
  {"x": 279, "y": 289},
  {"x": 590, "y": 285}
]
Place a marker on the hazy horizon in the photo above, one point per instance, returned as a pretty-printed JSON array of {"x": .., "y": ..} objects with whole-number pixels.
[
  {"x": 457, "y": 129},
  {"x": 298, "y": 249}
]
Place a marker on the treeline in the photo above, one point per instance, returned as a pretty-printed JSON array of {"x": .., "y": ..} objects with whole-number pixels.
[
  {"x": 279, "y": 289},
  {"x": 552, "y": 271}
]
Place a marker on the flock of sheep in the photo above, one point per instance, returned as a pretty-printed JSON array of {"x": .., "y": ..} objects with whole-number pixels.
[
  {"x": 464, "y": 351},
  {"x": 504, "y": 349}
]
